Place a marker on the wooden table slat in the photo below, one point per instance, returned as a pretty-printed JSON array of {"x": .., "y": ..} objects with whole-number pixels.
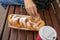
[
  {"x": 30, "y": 35},
  {"x": 55, "y": 22},
  {"x": 21, "y": 10},
  {"x": 41, "y": 14},
  {"x": 6, "y": 32},
  {"x": 3, "y": 23},
  {"x": 14, "y": 32},
  {"x": 5, "y": 35},
  {"x": 11, "y": 11},
  {"x": 47, "y": 18},
  {"x": 57, "y": 9},
  {"x": 17, "y": 10},
  {"x": 35, "y": 35},
  {"x": 22, "y": 35},
  {"x": 6, "y": 29}
]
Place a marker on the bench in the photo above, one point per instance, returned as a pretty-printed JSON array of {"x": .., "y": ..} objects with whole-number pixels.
[{"x": 50, "y": 16}]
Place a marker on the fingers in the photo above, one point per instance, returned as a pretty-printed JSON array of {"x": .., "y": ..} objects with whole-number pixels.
[
  {"x": 32, "y": 10},
  {"x": 35, "y": 13},
  {"x": 29, "y": 12},
  {"x": 35, "y": 10}
]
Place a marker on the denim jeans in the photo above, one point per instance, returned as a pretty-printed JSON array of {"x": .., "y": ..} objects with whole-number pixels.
[{"x": 4, "y": 3}]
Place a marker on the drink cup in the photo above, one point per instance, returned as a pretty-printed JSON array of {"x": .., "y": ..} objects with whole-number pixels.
[
  {"x": 38, "y": 37},
  {"x": 47, "y": 33}
]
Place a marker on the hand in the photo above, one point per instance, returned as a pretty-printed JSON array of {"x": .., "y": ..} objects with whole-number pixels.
[{"x": 30, "y": 7}]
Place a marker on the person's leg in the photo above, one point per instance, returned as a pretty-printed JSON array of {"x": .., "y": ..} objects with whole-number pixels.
[
  {"x": 4, "y": 6},
  {"x": 2, "y": 3},
  {"x": 11, "y": 2}
]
